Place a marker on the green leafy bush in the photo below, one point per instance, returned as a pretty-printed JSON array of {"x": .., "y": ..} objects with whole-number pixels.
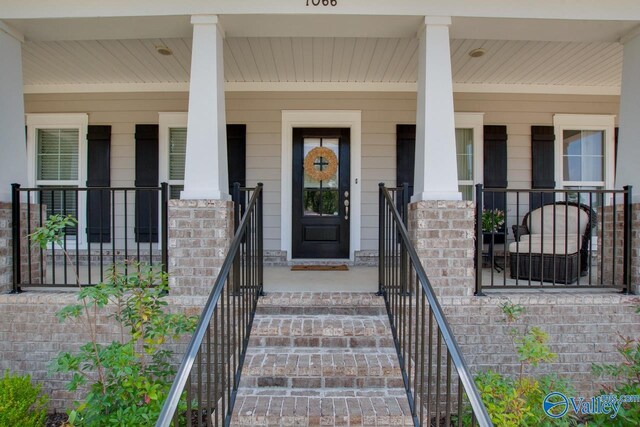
[
  {"x": 128, "y": 379},
  {"x": 21, "y": 402},
  {"x": 517, "y": 401},
  {"x": 628, "y": 375}
]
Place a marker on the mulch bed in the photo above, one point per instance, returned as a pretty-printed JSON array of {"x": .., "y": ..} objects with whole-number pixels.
[{"x": 56, "y": 419}]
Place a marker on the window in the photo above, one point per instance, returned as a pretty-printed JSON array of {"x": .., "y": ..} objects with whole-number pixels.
[
  {"x": 56, "y": 148},
  {"x": 469, "y": 130},
  {"x": 584, "y": 151},
  {"x": 177, "y": 158},
  {"x": 173, "y": 151}
]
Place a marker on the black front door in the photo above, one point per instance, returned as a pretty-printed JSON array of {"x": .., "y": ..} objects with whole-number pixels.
[{"x": 321, "y": 193}]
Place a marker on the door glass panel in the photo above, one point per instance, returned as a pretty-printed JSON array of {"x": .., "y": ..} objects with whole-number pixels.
[
  {"x": 330, "y": 202},
  {"x": 320, "y": 195},
  {"x": 311, "y": 201}
]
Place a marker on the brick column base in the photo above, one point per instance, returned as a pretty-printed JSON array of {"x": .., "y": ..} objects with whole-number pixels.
[
  {"x": 6, "y": 245},
  {"x": 443, "y": 235},
  {"x": 607, "y": 240},
  {"x": 200, "y": 232}
]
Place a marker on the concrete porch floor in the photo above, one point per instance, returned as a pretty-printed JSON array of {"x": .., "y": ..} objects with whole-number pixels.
[{"x": 356, "y": 279}]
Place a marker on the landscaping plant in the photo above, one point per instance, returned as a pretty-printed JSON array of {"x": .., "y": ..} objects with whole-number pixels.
[
  {"x": 128, "y": 379},
  {"x": 517, "y": 401},
  {"x": 628, "y": 375},
  {"x": 21, "y": 402}
]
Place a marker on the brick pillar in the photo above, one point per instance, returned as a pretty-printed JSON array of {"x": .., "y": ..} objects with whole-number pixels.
[
  {"x": 444, "y": 237},
  {"x": 200, "y": 232},
  {"x": 606, "y": 239},
  {"x": 6, "y": 246}
]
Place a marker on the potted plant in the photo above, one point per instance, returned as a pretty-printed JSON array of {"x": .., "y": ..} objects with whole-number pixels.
[{"x": 492, "y": 220}]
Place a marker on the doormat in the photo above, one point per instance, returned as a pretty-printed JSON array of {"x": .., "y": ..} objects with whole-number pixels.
[{"x": 341, "y": 267}]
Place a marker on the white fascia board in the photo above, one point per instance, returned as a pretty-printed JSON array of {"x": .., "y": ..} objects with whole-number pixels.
[
  {"x": 323, "y": 87},
  {"x": 623, "y": 10}
]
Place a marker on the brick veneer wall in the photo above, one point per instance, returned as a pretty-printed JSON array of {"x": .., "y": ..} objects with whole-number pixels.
[
  {"x": 6, "y": 246},
  {"x": 31, "y": 336},
  {"x": 444, "y": 237},
  {"x": 200, "y": 232},
  {"x": 608, "y": 240},
  {"x": 583, "y": 329}
]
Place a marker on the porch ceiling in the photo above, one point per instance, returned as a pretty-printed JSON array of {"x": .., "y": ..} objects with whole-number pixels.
[
  {"x": 272, "y": 51},
  {"x": 348, "y": 60}
]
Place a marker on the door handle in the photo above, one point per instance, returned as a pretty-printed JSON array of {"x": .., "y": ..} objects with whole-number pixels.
[{"x": 346, "y": 205}]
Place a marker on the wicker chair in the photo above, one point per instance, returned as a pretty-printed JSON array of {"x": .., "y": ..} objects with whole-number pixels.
[{"x": 552, "y": 242}]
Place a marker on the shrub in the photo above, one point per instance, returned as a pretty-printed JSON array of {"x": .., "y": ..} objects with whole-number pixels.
[
  {"x": 21, "y": 402},
  {"x": 517, "y": 401},
  {"x": 128, "y": 379},
  {"x": 628, "y": 375}
]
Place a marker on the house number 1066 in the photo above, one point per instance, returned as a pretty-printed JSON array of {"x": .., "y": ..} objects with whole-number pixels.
[{"x": 322, "y": 2}]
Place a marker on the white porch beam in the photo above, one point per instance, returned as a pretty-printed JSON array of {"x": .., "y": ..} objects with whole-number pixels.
[
  {"x": 13, "y": 160},
  {"x": 206, "y": 163},
  {"x": 623, "y": 10},
  {"x": 628, "y": 142},
  {"x": 436, "y": 173}
]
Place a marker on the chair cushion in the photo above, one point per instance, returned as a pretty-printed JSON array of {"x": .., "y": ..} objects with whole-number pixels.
[
  {"x": 545, "y": 244},
  {"x": 567, "y": 217}
]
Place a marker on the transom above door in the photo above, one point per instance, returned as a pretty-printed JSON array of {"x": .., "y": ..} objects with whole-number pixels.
[{"x": 321, "y": 193}]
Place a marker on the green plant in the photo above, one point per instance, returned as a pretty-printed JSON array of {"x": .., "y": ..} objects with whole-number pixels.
[
  {"x": 517, "y": 401},
  {"x": 492, "y": 220},
  {"x": 628, "y": 374},
  {"x": 21, "y": 402},
  {"x": 128, "y": 379}
]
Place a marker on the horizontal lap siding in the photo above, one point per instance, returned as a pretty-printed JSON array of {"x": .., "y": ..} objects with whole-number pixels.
[
  {"x": 262, "y": 113},
  {"x": 381, "y": 112},
  {"x": 519, "y": 112}
]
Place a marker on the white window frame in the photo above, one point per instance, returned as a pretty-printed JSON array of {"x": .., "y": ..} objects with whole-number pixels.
[
  {"x": 78, "y": 121},
  {"x": 473, "y": 121},
  {"x": 596, "y": 122},
  {"x": 167, "y": 121}
]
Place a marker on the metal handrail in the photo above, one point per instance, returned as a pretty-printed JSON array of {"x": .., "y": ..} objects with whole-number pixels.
[
  {"x": 465, "y": 378},
  {"x": 186, "y": 365}
]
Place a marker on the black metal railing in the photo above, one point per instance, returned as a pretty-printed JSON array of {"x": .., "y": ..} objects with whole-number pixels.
[
  {"x": 439, "y": 386},
  {"x": 114, "y": 225},
  {"x": 573, "y": 238},
  {"x": 204, "y": 390}
]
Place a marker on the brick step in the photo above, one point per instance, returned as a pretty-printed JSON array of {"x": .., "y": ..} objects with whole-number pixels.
[
  {"x": 338, "y": 368},
  {"x": 329, "y": 303},
  {"x": 341, "y": 409},
  {"x": 277, "y": 325}
]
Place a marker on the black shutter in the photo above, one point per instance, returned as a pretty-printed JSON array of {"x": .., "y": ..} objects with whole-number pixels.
[
  {"x": 542, "y": 164},
  {"x": 495, "y": 171},
  {"x": 405, "y": 155},
  {"x": 98, "y": 176},
  {"x": 237, "y": 154},
  {"x": 146, "y": 222}
]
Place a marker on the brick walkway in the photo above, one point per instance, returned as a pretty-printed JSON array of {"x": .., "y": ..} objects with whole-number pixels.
[{"x": 321, "y": 359}]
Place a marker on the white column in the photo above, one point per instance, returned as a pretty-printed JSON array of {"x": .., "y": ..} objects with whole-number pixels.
[
  {"x": 436, "y": 174},
  {"x": 206, "y": 164},
  {"x": 13, "y": 147},
  {"x": 628, "y": 142}
]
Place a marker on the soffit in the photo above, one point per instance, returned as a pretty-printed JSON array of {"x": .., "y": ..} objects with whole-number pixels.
[{"x": 322, "y": 59}]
